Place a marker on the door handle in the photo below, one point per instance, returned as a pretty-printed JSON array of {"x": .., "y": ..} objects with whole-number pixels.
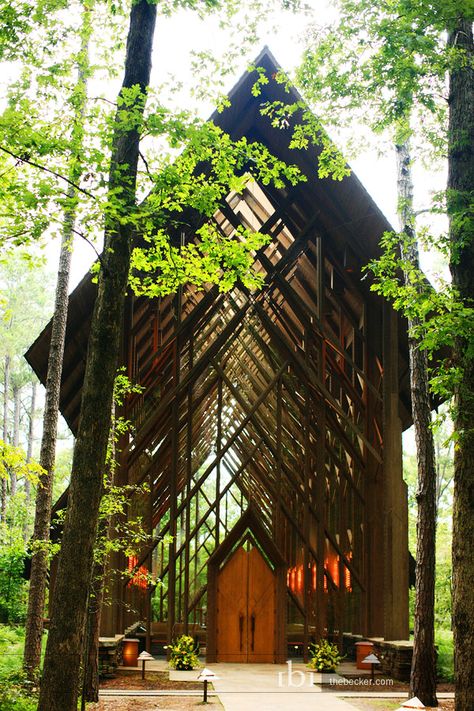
[
  {"x": 241, "y": 631},
  {"x": 252, "y": 630}
]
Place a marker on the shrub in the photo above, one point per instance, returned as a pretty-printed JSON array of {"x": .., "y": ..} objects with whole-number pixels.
[
  {"x": 183, "y": 653},
  {"x": 13, "y": 588},
  {"x": 324, "y": 656},
  {"x": 445, "y": 662},
  {"x": 14, "y": 696}
]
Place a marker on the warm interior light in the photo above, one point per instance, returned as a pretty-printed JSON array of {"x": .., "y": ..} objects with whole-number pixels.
[
  {"x": 140, "y": 577},
  {"x": 130, "y": 653},
  {"x": 347, "y": 575}
]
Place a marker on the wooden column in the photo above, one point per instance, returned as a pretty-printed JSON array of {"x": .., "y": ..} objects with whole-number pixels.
[
  {"x": 319, "y": 412},
  {"x": 395, "y": 540},
  {"x": 174, "y": 477},
  {"x": 374, "y": 553}
]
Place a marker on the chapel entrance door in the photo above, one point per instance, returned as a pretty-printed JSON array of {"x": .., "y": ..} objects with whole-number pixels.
[{"x": 246, "y": 592}]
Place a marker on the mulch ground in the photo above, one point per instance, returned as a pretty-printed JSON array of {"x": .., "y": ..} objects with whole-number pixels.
[
  {"x": 170, "y": 703},
  {"x": 153, "y": 681}
]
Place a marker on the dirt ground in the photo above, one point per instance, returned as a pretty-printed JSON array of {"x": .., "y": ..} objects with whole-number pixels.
[{"x": 170, "y": 703}]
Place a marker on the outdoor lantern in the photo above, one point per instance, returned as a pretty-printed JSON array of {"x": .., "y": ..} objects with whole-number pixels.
[
  {"x": 413, "y": 703},
  {"x": 206, "y": 675},
  {"x": 130, "y": 652},
  {"x": 373, "y": 661},
  {"x": 144, "y": 657}
]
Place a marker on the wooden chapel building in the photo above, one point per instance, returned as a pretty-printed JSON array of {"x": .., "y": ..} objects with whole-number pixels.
[{"x": 269, "y": 427}]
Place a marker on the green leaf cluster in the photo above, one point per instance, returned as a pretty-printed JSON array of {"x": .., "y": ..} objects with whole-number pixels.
[
  {"x": 439, "y": 316},
  {"x": 324, "y": 656},
  {"x": 183, "y": 653}
]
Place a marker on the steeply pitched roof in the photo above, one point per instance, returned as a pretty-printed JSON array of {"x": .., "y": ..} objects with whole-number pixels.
[{"x": 346, "y": 214}]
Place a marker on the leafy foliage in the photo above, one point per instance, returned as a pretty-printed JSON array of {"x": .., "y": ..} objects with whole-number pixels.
[
  {"x": 324, "y": 656},
  {"x": 13, "y": 589},
  {"x": 14, "y": 459},
  {"x": 14, "y": 694},
  {"x": 444, "y": 646},
  {"x": 440, "y": 314},
  {"x": 183, "y": 653},
  {"x": 383, "y": 62},
  {"x": 13, "y": 586}
]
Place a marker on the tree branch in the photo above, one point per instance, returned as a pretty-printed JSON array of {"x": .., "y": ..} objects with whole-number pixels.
[
  {"x": 91, "y": 244},
  {"x": 23, "y": 159}
]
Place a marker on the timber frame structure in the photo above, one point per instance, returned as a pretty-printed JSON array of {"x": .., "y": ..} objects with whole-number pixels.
[{"x": 268, "y": 421}]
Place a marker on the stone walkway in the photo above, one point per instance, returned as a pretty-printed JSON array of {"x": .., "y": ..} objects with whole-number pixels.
[{"x": 269, "y": 687}]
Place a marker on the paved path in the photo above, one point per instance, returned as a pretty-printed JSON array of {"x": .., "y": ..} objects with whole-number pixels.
[{"x": 270, "y": 687}]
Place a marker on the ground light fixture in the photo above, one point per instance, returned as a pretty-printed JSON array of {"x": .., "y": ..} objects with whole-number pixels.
[
  {"x": 206, "y": 676},
  {"x": 373, "y": 661},
  {"x": 144, "y": 657},
  {"x": 413, "y": 703}
]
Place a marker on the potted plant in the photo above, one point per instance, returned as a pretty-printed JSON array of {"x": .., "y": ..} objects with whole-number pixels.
[
  {"x": 324, "y": 656},
  {"x": 183, "y": 653}
]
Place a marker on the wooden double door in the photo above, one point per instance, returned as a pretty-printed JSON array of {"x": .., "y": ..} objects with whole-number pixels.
[{"x": 246, "y": 603}]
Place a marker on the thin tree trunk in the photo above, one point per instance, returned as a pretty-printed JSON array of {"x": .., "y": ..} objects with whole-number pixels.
[
  {"x": 16, "y": 432},
  {"x": 31, "y": 437},
  {"x": 59, "y": 688},
  {"x": 41, "y": 534},
  {"x": 39, "y": 560},
  {"x": 6, "y": 387},
  {"x": 29, "y": 453},
  {"x": 31, "y": 426},
  {"x": 461, "y": 233},
  {"x": 423, "y": 669}
]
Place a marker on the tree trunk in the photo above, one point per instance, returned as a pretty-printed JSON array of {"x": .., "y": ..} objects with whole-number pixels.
[
  {"x": 31, "y": 437},
  {"x": 16, "y": 432},
  {"x": 39, "y": 561},
  {"x": 90, "y": 689},
  {"x": 461, "y": 233},
  {"x": 59, "y": 688},
  {"x": 6, "y": 387},
  {"x": 423, "y": 669}
]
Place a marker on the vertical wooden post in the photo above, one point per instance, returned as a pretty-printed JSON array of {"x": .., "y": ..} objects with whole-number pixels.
[
  {"x": 218, "y": 452},
  {"x": 150, "y": 589},
  {"x": 319, "y": 410},
  {"x": 189, "y": 426},
  {"x": 395, "y": 541},
  {"x": 307, "y": 493},
  {"x": 373, "y": 550},
  {"x": 174, "y": 478}
]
